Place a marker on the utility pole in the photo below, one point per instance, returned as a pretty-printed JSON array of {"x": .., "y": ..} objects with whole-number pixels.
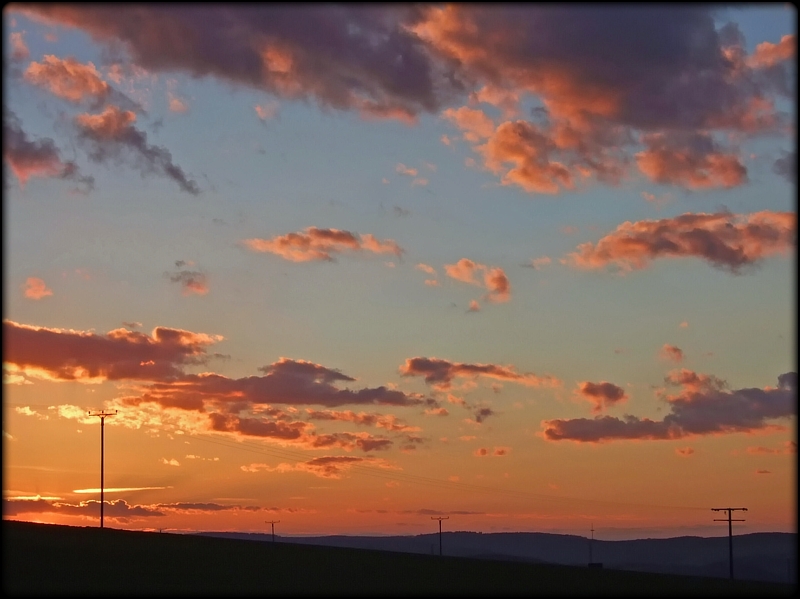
[
  {"x": 103, "y": 414},
  {"x": 591, "y": 542},
  {"x": 440, "y": 518},
  {"x": 273, "y": 522},
  {"x": 730, "y": 510}
]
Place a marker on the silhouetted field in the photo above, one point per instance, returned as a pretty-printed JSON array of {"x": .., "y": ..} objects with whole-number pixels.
[{"x": 65, "y": 560}]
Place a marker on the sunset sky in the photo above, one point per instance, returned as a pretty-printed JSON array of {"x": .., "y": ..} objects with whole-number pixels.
[{"x": 350, "y": 268}]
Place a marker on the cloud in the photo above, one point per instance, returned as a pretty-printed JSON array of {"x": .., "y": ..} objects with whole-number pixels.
[
  {"x": 603, "y": 394},
  {"x": 441, "y": 373},
  {"x": 768, "y": 54},
  {"x": 684, "y": 452},
  {"x": 474, "y": 306},
  {"x": 285, "y": 382},
  {"x": 426, "y": 268},
  {"x": 475, "y": 123},
  {"x": 36, "y": 158},
  {"x": 538, "y": 263},
  {"x": 693, "y": 161},
  {"x": 494, "y": 278},
  {"x": 388, "y": 422},
  {"x": 342, "y": 57},
  {"x": 111, "y": 135},
  {"x": 726, "y": 241},
  {"x": 266, "y": 111},
  {"x": 496, "y": 452},
  {"x": 684, "y": 324},
  {"x": 763, "y": 472},
  {"x": 19, "y": 49},
  {"x": 67, "y": 355},
  {"x": 192, "y": 281},
  {"x": 703, "y": 407},
  {"x": 325, "y": 467},
  {"x": 672, "y": 353},
  {"x": 36, "y": 289},
  {"x": 170, "y": 462},
  {"x": 321, "y": 244},
  {"x": 786, "y": 166},
  {"x": 788, "y": 448},
  {"x": 405, "y": 170},
  {"x": 68, "y": 79}
]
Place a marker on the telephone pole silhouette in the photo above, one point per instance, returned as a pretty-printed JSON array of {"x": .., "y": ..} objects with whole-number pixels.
[
  {"x": 440, "y": 518},
  {"x": 273, "y": 522},
  {"x": 103, "y": 414},
  {"x": 591, "y": 542},
  {"x": 730, "y": 510}
]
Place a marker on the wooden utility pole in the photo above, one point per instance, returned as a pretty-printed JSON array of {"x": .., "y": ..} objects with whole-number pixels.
[
  {"x": 440, "y": 518},
  {"x": 273, "y": 522},
  {"x": 730, "y": 529},
  {"x": 103, "y": 414}
]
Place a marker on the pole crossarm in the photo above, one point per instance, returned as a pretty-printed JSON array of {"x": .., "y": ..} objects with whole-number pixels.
[{"x": 103, "y": 414}]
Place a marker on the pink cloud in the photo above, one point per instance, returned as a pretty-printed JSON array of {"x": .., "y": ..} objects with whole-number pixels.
[
  {"x": 494, "y": 278},
  {"x": 475, "y": 123},
  {"x": 727, "y": 241},
  {"x": 603, "y": 394},
  {"x": 672, "y": 353},
  {"x": 36, "y": 289},
  {"x": 441, "y": 373},
  {"x": 266, "y": 111},
  {"x": 425, "y": 268},
  {"x": 321, "y": 244},
  {"x": 405, "y": 170},
  {"x": 703, "y": 407}
]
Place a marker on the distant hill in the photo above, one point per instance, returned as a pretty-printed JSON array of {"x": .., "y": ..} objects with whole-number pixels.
[
  {"x": 46, "y": 559},
  {"x": 769, "y": 557}
]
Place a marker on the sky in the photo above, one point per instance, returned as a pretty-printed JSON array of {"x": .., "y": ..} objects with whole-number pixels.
[{"x": 354, "y": 268}]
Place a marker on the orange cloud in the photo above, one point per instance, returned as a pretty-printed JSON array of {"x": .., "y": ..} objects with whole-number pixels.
[
  {"x": 602, "y": 395},
  {"x": 389, "y": 422},
  {"x": 193, "y": 282},
  {"x": 684, "y": 452},
  {"x": 672, "y": 353},
  {"x": 475, "y": 123},
  {"x": 68, "y": 79},
  {"x": 36, "y": 289},
  {"x": 768, "y": 54},
  {"x": 692, "y": 161},
  {"x": 440, "y": 373},
  {"x": 494, "y": 278},
  {"x": 405, "y": 170},
  {"x": 727, "y": 241},
  {"x": 325, "y": 467},
  {"x": 321, "y": 244}
]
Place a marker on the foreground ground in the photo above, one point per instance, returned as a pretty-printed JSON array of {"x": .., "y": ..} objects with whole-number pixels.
[{"x": 64, "y": 560}]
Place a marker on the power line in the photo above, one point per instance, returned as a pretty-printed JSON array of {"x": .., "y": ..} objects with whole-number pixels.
[{"x": 730, "y": 510}]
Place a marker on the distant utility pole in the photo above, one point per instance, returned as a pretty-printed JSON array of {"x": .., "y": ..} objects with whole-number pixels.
[
  {"x": 273, "y": 522},
  {"x": 591, "y": 541},
  {"x": 440, "y": 518},
  {"x": 103, "y": 414},
  {"x": 730, "y": 529}
]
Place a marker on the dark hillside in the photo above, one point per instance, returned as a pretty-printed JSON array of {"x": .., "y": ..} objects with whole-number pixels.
[{"x": 63, "y": 560}]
